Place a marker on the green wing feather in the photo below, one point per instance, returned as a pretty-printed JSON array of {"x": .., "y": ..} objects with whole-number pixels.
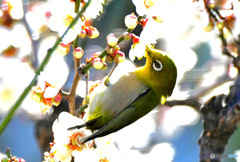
[
  {"x": 110, "y": 101},
  {"x": 142, "y": 105}
]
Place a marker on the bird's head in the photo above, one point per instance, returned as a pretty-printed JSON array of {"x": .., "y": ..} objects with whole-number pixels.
[{"x": 159, "y": 72}]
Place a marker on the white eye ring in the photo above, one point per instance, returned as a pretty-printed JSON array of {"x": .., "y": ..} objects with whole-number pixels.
[{"x": 157, "y": 65}]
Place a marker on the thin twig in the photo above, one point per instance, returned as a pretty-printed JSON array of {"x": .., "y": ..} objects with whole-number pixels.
[
  {"x": 192, "y": 102},
  {"x": 114, "y": 67},
  {"x": 35, "y": 42},
  {"x": 77, "y": 62},
  {"x": 71, "y": 96}
]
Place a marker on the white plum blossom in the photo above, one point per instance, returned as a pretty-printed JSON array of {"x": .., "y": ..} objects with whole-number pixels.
[
  {"x": 105, "y": 151},
  {"x": 168, "y": 16},
  {"x": 148, "y": 7},
  {"x": 149, "y": 35},
  {"x": 61, "y": 21},
  {"x": 151, "y": 9},
  {"x": 47, "y": 93},
  {"x": 61, "y": 153},
  {"x": 154, "y": 8},
  {"x": 87, "y": 155},
  {"x": 66, "y": 141},
  {"x": 53, "y": 88},
  {"x": 94, "y": 9},
  {"x": 63, "y": 15}
]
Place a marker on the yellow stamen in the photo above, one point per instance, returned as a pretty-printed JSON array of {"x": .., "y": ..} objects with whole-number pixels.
[
  {"x": 68, "y": 19},
  {"x": 149, "y": 3}
]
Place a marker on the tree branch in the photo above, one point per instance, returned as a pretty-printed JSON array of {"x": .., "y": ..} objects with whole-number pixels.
[
  {"x": 221, "y": 113},
  {"x": 220, "y": 117},
  {"x": 192, "y": 102},
  {"x": 77, "y": 62}
]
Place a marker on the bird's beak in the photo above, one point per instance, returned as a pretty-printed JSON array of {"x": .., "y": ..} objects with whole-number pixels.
[{"x": 148, "y": 49}]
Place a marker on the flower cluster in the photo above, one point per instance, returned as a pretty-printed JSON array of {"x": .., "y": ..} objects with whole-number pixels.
[
  {"x": 67, "y": 142},
  {"x": 97, "y": 62},
  {"x": 149, "y": 35},
  {"x": 151, "y": 23},
  {"x": 113, "y": 50},
  {"x": 61, "y": 19},
  {"x": 13, "y": 159},
  {"x": 47, "y": 94}
]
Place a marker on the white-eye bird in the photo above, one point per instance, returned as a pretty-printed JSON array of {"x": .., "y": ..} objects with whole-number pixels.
[{"x": 132, "y": 96}]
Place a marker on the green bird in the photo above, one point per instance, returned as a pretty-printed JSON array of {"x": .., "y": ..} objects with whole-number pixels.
[{"x": 134, "y": 95}]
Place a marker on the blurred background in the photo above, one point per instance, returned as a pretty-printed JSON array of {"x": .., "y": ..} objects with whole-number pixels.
[{"x": 165, "y": 134}]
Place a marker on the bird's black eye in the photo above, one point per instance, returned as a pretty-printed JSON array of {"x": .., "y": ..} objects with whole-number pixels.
[{"x": 157, "y": 65}]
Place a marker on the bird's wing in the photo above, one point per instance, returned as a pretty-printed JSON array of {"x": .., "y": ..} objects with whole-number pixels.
[
  {"x": 127, "y": 116},
  {"x": 112, "y": 100},
  {"x": 122, "y": 94}
]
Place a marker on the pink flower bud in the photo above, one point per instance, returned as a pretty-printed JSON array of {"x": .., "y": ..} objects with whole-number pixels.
[
  {"x": 88, "y": 31},
  {"x": 97, "y": 63},
  {"x": 109, "y": 50},
  {"x": 131, "y": 21},
  {"x": 64, "y": 45},
  {"x": 83, "y": 34},
  {"x": 112, "y": 50},
  {"x": 91, "y": 32},
  {"x": 78, "y": 52},
  {"x": 38, "y": 97},
  {"x": 119, "y": 57},
  {"x": 211, "y": 4},
  {"x": 112, "y": 40},
  {"x": 37, "y": 94},
  {"x": 57, "y": 99},
  {"x": 63, "y": 48}
]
